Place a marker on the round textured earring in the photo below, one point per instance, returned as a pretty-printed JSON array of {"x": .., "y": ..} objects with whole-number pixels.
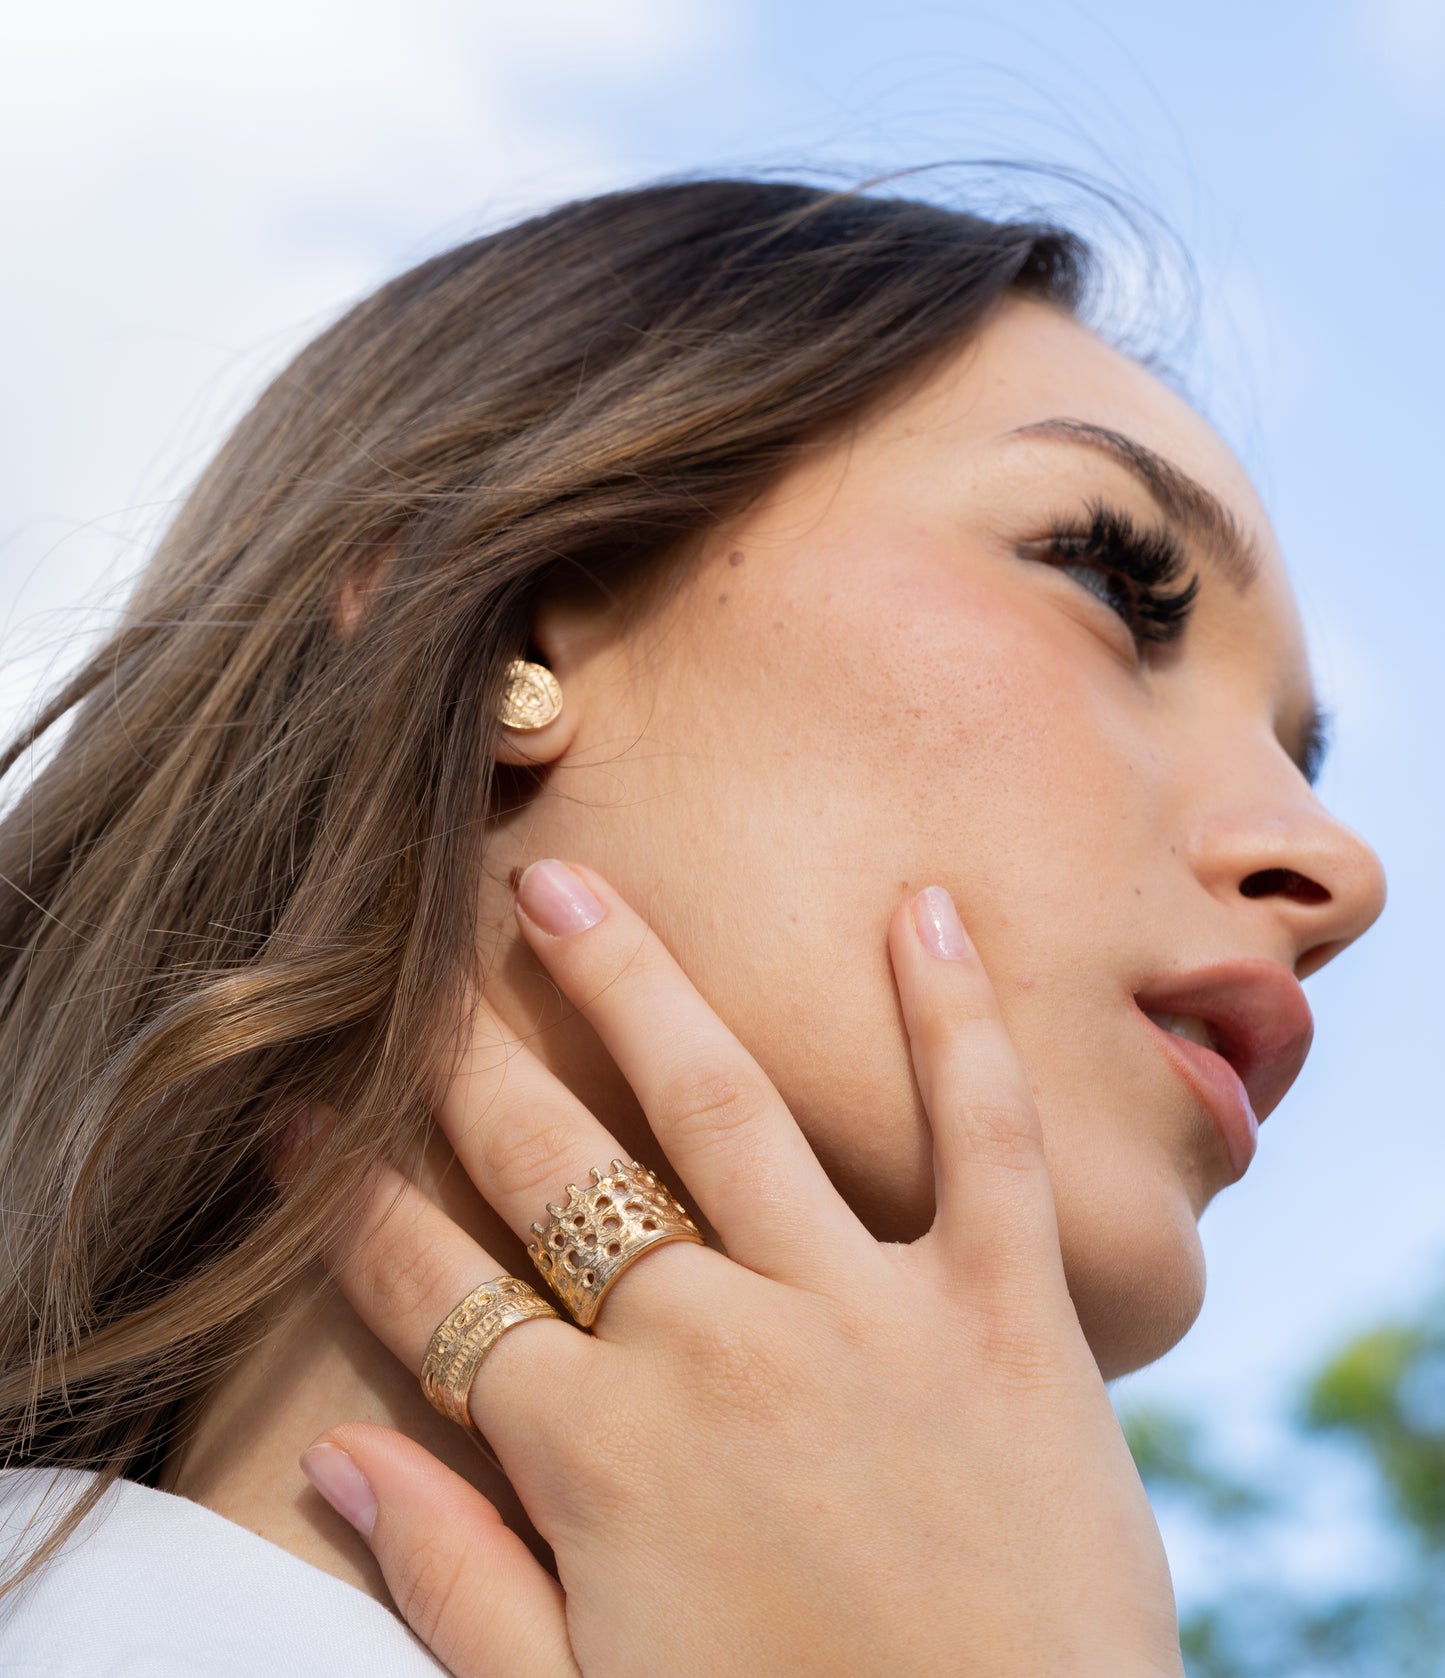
[{"x": 532, "y": 697}]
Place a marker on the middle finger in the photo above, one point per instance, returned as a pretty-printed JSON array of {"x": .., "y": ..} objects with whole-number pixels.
[{"x": 526, "y": 1142}]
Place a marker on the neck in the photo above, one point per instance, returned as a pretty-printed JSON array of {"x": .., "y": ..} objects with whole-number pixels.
[{"x": 318, "y": 1364}]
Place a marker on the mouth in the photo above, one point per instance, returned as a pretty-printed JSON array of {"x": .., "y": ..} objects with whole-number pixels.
[{"x": 1238, "y": 1034}]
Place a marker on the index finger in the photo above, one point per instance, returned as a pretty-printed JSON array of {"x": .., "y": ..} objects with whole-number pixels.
[{"x": 722, "y": 1124}]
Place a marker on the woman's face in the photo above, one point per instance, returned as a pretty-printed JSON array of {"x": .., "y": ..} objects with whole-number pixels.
[{"x": 872, "y": 682}]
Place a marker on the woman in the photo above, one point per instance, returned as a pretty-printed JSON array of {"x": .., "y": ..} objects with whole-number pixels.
[{"x": 871, "y": 582}]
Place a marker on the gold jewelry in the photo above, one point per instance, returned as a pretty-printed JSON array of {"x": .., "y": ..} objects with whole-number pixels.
[
  {"x": 532, "y": 697},
  {"x": 590, "y": 1241},
  {"x": 467, "y": 1334}
]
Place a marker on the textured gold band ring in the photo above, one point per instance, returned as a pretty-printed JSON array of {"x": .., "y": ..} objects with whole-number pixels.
[
  {"x": 467, "y": 1334},
  {"x": 587, "y": 1244}
]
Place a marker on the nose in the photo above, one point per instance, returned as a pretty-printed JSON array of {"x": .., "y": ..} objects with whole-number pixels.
[{"x": 1290, "y": 861}]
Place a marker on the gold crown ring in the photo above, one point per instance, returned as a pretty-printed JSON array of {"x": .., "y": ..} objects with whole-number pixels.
[{"x": 587, "y": 1244}]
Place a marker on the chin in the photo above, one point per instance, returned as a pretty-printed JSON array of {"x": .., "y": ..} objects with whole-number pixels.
[{"x": 1137, "y": 1280}]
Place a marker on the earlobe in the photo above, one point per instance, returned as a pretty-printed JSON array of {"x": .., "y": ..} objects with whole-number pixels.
[
  {"x": 532, "y": 697},
  {"x": 537, "y": 726},
  {"x": 533, "y": 729}
]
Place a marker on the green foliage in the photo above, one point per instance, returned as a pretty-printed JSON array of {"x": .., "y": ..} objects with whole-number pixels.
[
  {"x": 1265, "y": 1634},
  {"x": 1172, "y": 1459},
  {"x": 1385, "y": 1394},
  {"x": 1381, "y": 1400}
]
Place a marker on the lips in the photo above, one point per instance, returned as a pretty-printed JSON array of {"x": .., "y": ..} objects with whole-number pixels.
[{"x": 1259, "y": 1028}]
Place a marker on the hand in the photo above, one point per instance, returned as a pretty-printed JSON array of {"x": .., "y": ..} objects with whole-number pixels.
[{"x": 814, "y": 1453}]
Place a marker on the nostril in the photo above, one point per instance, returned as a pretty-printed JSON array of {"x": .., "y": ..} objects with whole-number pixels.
[{"x": 1284, "y": 882}]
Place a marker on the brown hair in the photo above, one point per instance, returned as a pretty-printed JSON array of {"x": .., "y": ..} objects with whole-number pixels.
[{"x": 246, "y": 878}]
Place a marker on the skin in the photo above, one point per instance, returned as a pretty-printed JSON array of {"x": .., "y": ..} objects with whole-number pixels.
[{"x": 858, "y": 689}]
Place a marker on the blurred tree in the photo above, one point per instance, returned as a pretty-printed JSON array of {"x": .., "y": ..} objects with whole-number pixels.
[
  {"x": 1381, "y": 1400},
  {"x": 1385, "y": 1393},
  {"x": 1171, "y": 1455}
]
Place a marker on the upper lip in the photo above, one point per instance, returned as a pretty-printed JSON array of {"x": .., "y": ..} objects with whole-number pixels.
[{"x": 1256, "y": 1014}]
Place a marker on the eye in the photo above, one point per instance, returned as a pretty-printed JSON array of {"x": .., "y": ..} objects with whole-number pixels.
[
  {"x": 1142, "y": 574},
  {"x": 1098, "y": 581}
]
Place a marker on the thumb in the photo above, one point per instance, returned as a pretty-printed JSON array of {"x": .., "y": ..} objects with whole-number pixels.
[{"x": 464, "y": 1582}]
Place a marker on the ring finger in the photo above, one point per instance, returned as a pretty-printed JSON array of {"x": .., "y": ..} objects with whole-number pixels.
[{"x": 405, "y": 1268}]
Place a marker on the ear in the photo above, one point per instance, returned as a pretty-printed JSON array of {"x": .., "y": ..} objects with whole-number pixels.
[
  {"x": 560, "y": 636},
  {"x": 352, "y": 600},
  {"x": 348, "y": 608}
]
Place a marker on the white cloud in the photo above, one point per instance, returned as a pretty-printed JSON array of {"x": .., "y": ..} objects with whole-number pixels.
[
  {"x": 1407, "y": 39},
  {"x": 193, "y": 190}
]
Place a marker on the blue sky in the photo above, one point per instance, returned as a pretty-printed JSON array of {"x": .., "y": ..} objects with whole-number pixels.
[{"x": 191, "y": 192}]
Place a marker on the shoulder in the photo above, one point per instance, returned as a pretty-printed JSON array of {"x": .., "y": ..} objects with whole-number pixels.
[{"x": 154, "y": 1586}]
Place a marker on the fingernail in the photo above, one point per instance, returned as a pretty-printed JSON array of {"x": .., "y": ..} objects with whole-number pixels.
[
  {"x": 342, "y": 1484},
  {"x": 553, "y": 896},
  {"x": 939, "y": 929}
]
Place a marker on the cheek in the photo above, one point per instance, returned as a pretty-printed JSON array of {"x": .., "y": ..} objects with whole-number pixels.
[
  {"x": 820, "y": 760},
  {"x": 839, "y": 748},
  {"x": 973, "y": 734},
  {"x": 848, "y": 750}
]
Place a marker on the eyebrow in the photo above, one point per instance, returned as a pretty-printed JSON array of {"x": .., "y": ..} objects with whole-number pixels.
[
  {"x": 1197, "y": 513},
  {"x": 1183, "y": 501}
]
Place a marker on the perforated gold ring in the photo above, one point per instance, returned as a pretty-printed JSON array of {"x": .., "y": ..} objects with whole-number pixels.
[{"x": 587, "y": 1244}]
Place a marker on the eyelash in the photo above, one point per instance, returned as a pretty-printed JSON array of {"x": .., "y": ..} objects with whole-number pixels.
[{"x": 1144, "y": 572}]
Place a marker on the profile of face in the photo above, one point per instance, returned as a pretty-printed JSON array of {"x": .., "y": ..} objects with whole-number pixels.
[{"x": 956, "y": 646}]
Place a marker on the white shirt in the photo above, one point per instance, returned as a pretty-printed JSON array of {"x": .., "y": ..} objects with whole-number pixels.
[{"x": 152, "y": 1585}]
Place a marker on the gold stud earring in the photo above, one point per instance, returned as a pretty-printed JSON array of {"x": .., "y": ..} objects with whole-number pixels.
[{"x": 532, "y": 697}]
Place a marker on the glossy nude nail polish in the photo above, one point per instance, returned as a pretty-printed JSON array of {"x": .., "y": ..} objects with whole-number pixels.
[
  {"x": 939, "y": 929},
  {"x": 555, "y": 898}
]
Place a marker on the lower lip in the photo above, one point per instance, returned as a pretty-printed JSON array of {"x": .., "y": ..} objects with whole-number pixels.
[{"x": 1218, "y": 1086}]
